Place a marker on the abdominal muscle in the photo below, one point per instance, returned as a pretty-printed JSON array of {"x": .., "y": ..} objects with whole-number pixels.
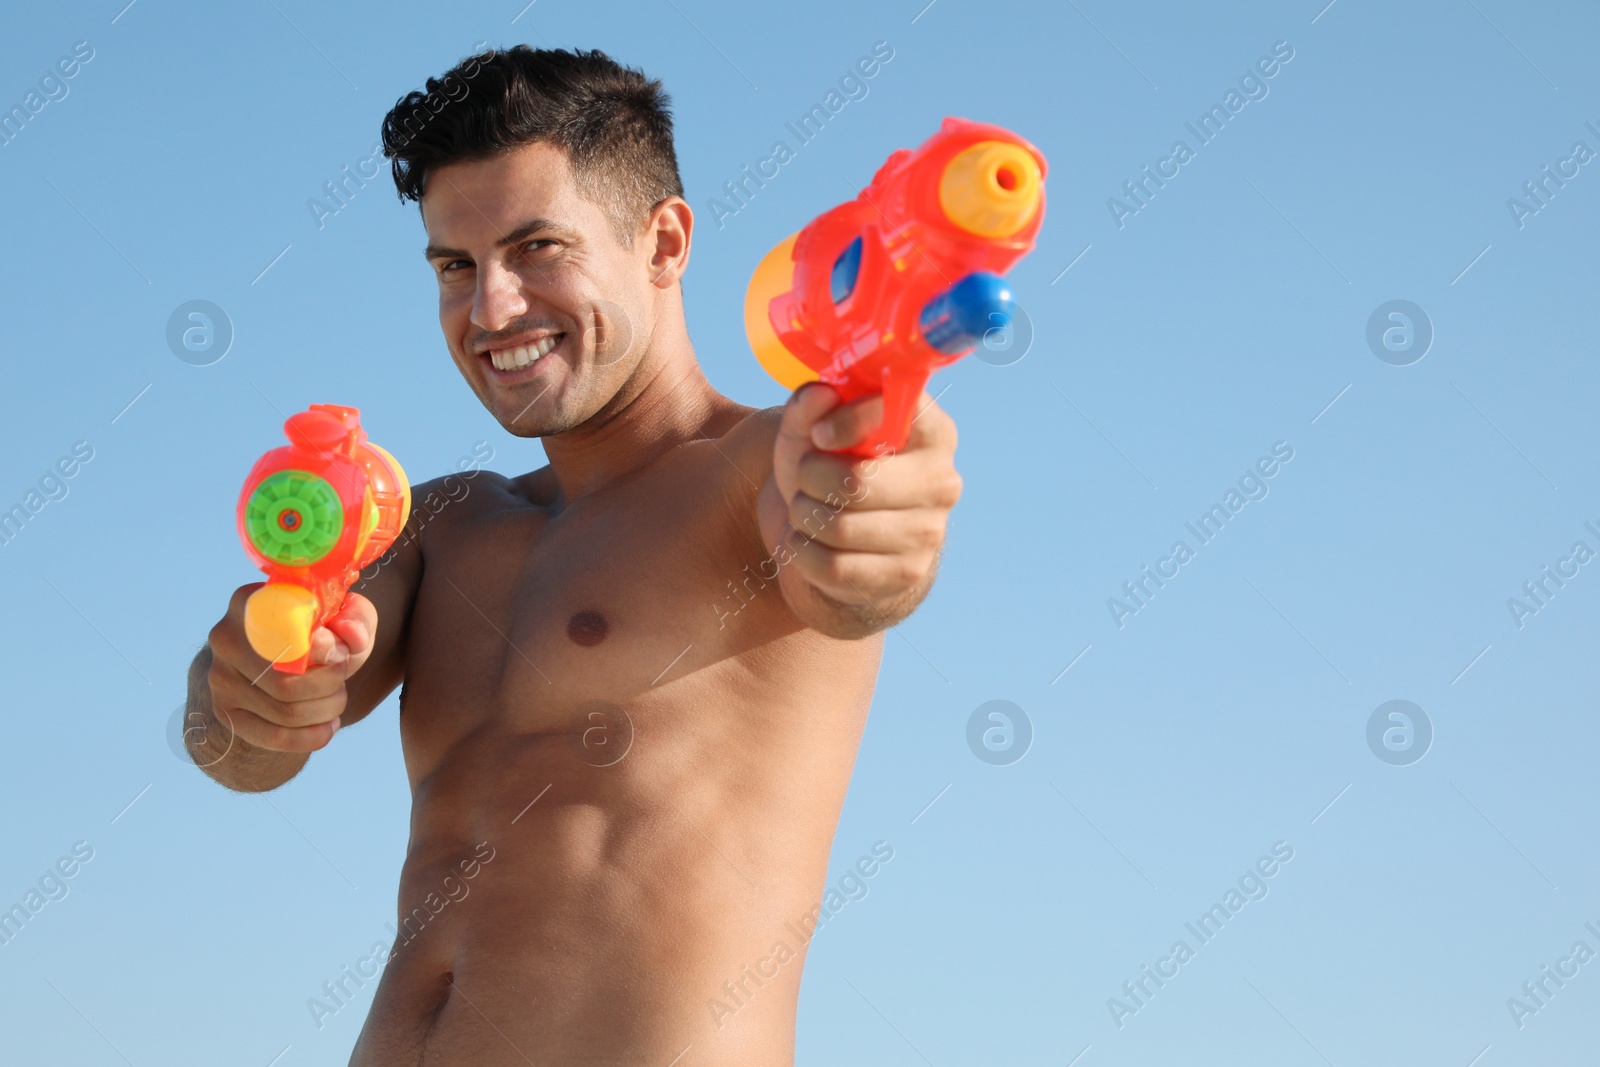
[{"x": 614, "y": 914}]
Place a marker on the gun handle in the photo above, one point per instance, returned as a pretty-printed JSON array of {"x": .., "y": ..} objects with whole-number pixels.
[{"x": 900, "y": 387}]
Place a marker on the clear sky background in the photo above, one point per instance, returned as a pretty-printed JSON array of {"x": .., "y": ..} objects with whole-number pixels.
[{"x": 1169, "y": 353}]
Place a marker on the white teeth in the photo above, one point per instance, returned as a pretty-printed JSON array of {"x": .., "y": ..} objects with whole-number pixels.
[{"x": 516, "y": 358}]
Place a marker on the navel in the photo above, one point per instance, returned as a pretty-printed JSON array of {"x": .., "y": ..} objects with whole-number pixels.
[{"x": 588, "y": 628}]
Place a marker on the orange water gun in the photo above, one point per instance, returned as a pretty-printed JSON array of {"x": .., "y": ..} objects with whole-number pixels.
[
  {"x": 312, "y": 514},
  {"x": 877, "y": 293}
]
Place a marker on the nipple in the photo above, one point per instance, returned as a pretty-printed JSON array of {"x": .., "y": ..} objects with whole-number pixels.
[{"x": 588, "y": 628}]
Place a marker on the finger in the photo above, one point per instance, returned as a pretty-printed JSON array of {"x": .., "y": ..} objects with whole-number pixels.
[
  {"x": 848, "y": 424},
  {"x": 285, "y": 699},
  {"x": 355, "y": 629},
  {"x": 834, "y": 476},
  {"x": 257, "y": 731},
  {"x": 301, "y": 713},
  {"x": 316, "y": 683},
  {"x": 908, "y": 479},
  {"x": 327, "y": 649},
  {"x": 853, "y": 530},
  {"x": 858, "y": 577},
  {"x": 931, "y": 427},
  {"x": 808, "y": 404}
]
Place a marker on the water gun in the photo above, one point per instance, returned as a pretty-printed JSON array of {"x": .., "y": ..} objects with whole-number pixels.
[
  {"x": 312, "y": 514},
  {"x": 877, "y": 293}
]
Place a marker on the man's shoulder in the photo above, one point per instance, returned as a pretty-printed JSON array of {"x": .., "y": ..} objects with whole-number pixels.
[
  {"x": 746, "y": 439},
  {"x": 450, "y": 499},
  {"x": 732, "y": 457},
  {"x": 459, "y": 486}
]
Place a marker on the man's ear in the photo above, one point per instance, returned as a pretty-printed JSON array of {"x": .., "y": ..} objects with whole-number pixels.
[{"x": 668, "y": 233}]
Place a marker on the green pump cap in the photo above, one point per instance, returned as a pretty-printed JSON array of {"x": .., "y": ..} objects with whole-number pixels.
[{"x": 294, "y": 518}]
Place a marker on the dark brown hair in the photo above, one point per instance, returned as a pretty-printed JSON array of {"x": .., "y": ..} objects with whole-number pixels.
[{"x": 614, "y": 124}]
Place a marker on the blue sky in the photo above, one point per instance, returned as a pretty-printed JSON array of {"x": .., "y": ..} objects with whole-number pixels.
[{"x": 1173, "y": 347}]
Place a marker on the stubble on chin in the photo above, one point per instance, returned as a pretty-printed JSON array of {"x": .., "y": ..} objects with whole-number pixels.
[{"x": 532, "y": 418}]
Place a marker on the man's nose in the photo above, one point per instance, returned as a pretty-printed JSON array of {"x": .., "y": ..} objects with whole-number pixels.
[{"x": 498, "y": 301}]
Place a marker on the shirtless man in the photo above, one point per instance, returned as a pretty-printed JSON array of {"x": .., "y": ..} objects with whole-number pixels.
[{"x": 635, "y": 679}]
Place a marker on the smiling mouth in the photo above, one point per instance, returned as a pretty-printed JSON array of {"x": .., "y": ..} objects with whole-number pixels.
[{"x": 514, "y": 359}]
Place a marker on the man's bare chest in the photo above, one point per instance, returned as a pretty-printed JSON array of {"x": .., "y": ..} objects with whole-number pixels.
[{"x": 523, "y": 618}]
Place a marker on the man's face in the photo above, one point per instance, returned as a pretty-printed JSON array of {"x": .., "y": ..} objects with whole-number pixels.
[{"x": 541, "y": 306}]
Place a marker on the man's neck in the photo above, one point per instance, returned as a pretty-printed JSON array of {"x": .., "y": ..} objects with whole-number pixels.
[{"x": 667, "y": 403}]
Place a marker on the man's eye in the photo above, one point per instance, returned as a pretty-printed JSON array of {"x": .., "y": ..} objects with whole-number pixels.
[
  {"x": 455, "y": 264},
  {"x": 535, "y": 244}
]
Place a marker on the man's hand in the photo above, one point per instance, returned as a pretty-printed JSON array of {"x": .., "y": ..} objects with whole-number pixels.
[
  {"x": 856, "y": 540},
  {"x": 255, "y": 726}
]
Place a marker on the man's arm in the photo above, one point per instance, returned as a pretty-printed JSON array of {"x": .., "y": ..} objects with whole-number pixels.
[
  {"x": 856, "y": 540},
  {"x": 252, "y": 728}
]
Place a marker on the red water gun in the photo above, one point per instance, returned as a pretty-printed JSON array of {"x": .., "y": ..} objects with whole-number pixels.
[
  {"x": 874, "y": 295},
  {"x": 312, "y": 514}
]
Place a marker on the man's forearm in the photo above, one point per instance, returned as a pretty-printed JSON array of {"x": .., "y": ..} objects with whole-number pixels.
[{"x": 224, "y": 757}]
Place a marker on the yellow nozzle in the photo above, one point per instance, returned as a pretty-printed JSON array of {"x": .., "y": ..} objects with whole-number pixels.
[
  {"x": 991, "y": 188},
  {"x": 773, "y": 277},
  {"x": 277, "y": 621}
]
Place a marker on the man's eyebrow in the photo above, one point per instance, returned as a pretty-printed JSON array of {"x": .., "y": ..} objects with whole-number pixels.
[{"x": 516, "y": 236}]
